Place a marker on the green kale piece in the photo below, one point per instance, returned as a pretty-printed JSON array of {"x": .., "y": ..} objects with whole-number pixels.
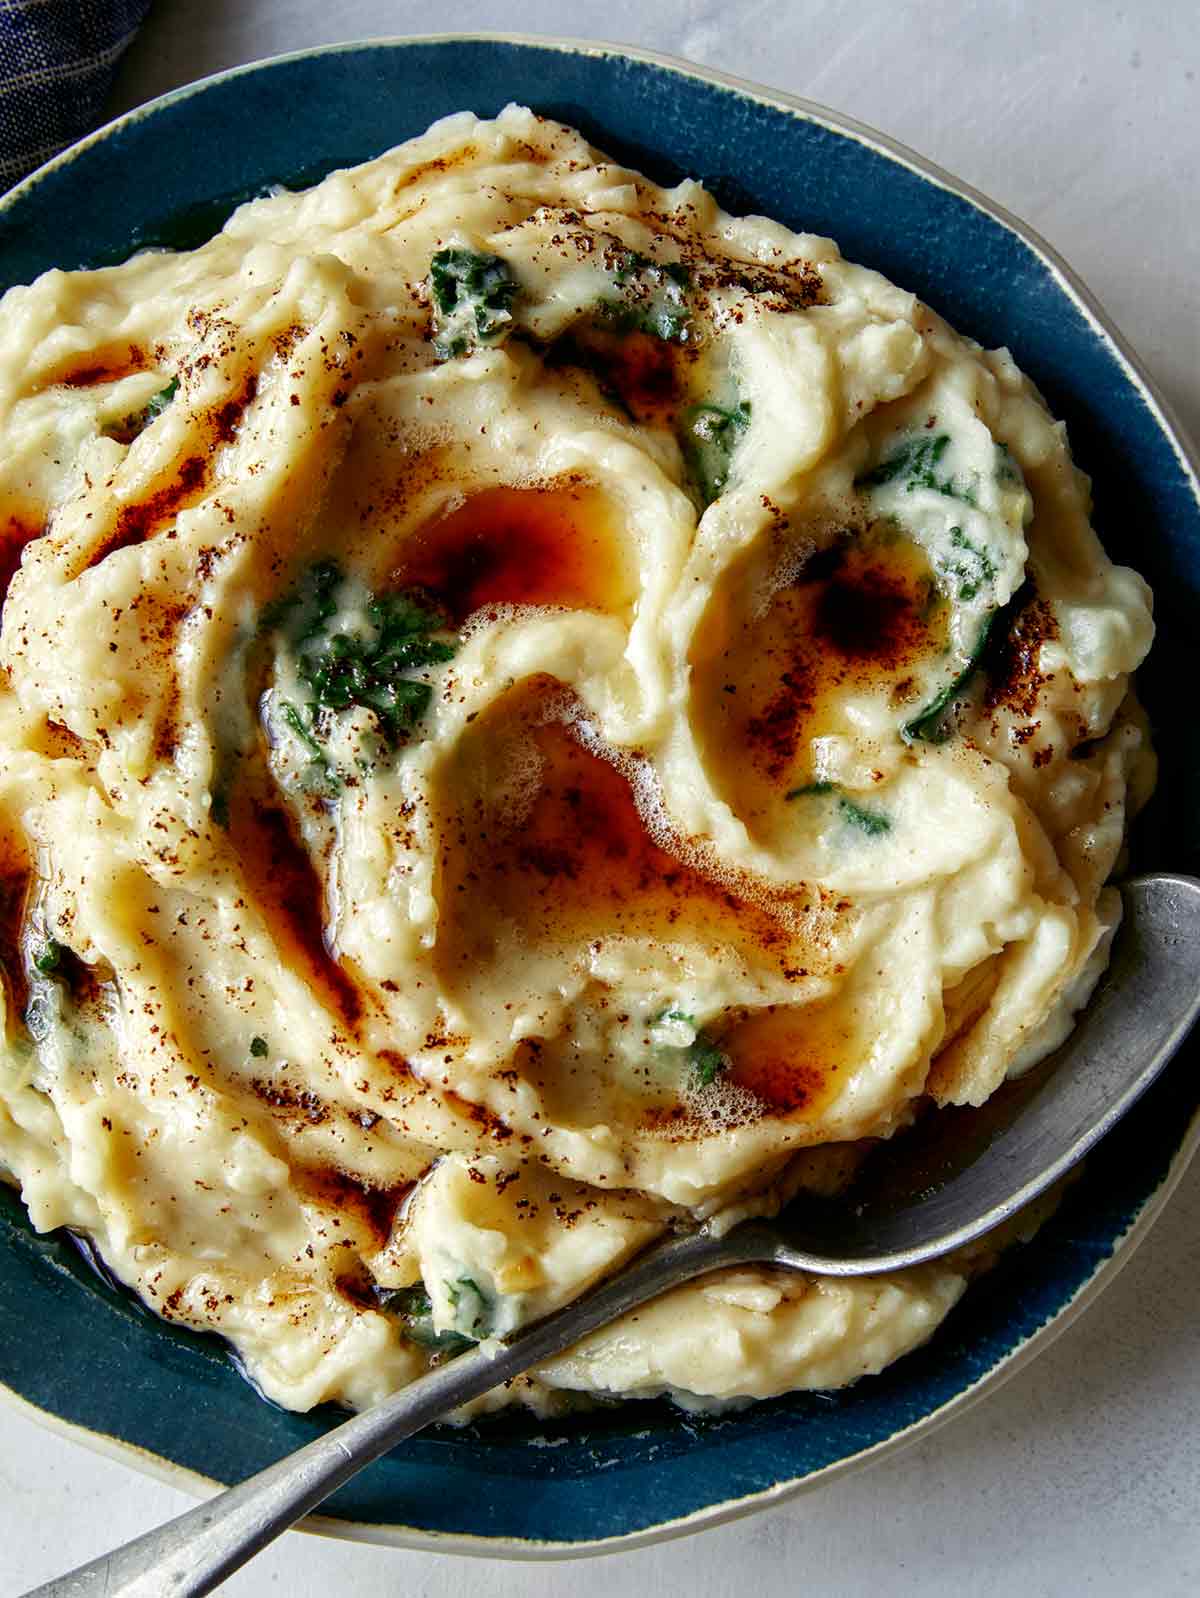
[
  {"x": 873, "y": 822},
  {"x": 344, "y": 671},
  {"x": 972, "y": 566},
  {"x": 810, "y": 788},
  {"x": 651, "y": 298},
  {"x": 703, "y": 1060},
  {"x": 368, "y": 669},
  {"x": 412, "y": 1305},
  {"x": 49, "y": 957},
  {"x": 707, "y": 1061},
  {"x": 473, "y": 1308},
  {"x": 967, "y": 570},
  {"x": 472, "y": 297},
  {"x": 307, "y": 737},
  {"x": 319, "y": 775},
  {"x": 916, "y": 462},
  {"x": 708, "y": 436},
  {"x": 128, "y": 428},
  {"x": 259, "y": 1048},
  {"x": 929, "y": 724},
  {"x": 159, "y": 402},
  {"x": 412, "y": 1300}
]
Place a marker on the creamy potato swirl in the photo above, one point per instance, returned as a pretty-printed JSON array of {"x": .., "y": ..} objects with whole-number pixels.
[{"x": 534, "y": 711}]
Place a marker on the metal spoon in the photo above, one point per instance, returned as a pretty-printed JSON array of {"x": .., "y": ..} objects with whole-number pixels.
[{"x": 982, "y": 1167}]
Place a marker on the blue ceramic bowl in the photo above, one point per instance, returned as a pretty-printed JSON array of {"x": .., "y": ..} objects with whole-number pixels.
[{"x": 87, "y": 1357}]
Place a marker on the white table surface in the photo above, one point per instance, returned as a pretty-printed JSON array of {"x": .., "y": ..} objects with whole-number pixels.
[{"x": 1083, "y": 1474}]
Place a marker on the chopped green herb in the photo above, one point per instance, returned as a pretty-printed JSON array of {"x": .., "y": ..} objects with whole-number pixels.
[
  {"x": 810, "y": 788},
  {"x": 651, "y": 299},
  {"x": 320, "y": 774},
  {"x": 916, "y": 463},
  {"x": 472, "y": 296},
  {"x": 259, "y": 1048},
  {"x": 410, "y": 1300},
  {"x": 707, "y": 1061},
  {"x": 709, "y": 434},
  {"x": 970, "y": 556},
  {"x": 873, "y": 822},
  {"x": 472, "y": 1308},
  {"x": 49, "y": 957},
  {"x": 973, "y": 567},
  {"x": 130, "y": 426},
  {"x": 929, "y": 724},
  {"x": 159, "y": 402},
  {"x": 296, "y": 722},
  {"x": 703, "y": 1060},
  {"x": 342, "y": 670},
  {"x": 414, "y": 1308},
  {"x": 914, "y": 460}
]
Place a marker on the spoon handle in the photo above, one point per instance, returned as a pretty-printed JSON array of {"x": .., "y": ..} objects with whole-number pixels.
[{"x": 194, "y": 1553}]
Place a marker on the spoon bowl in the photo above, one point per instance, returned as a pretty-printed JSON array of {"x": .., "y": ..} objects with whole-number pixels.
[{"x": 958, "y": 1176}]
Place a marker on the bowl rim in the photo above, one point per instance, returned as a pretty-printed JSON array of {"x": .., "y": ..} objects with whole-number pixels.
[{"x": 1072, "y": 285}]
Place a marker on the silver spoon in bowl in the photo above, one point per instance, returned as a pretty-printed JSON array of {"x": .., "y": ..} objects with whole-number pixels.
[{"x": 978, "y": 1170}]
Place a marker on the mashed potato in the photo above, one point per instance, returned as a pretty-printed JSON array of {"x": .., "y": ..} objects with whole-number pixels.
[{"x": 534, "y": 711}]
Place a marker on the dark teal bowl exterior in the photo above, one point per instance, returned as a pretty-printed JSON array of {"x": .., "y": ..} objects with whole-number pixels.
[{"x": 84, "y": 1352}]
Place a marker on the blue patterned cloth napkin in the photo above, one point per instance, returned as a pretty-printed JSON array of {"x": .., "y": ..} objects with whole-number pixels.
[{"x": 57, "y": 60}]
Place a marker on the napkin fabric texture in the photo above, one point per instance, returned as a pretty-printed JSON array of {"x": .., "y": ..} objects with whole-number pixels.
[{"x": 57, "y": 60}]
